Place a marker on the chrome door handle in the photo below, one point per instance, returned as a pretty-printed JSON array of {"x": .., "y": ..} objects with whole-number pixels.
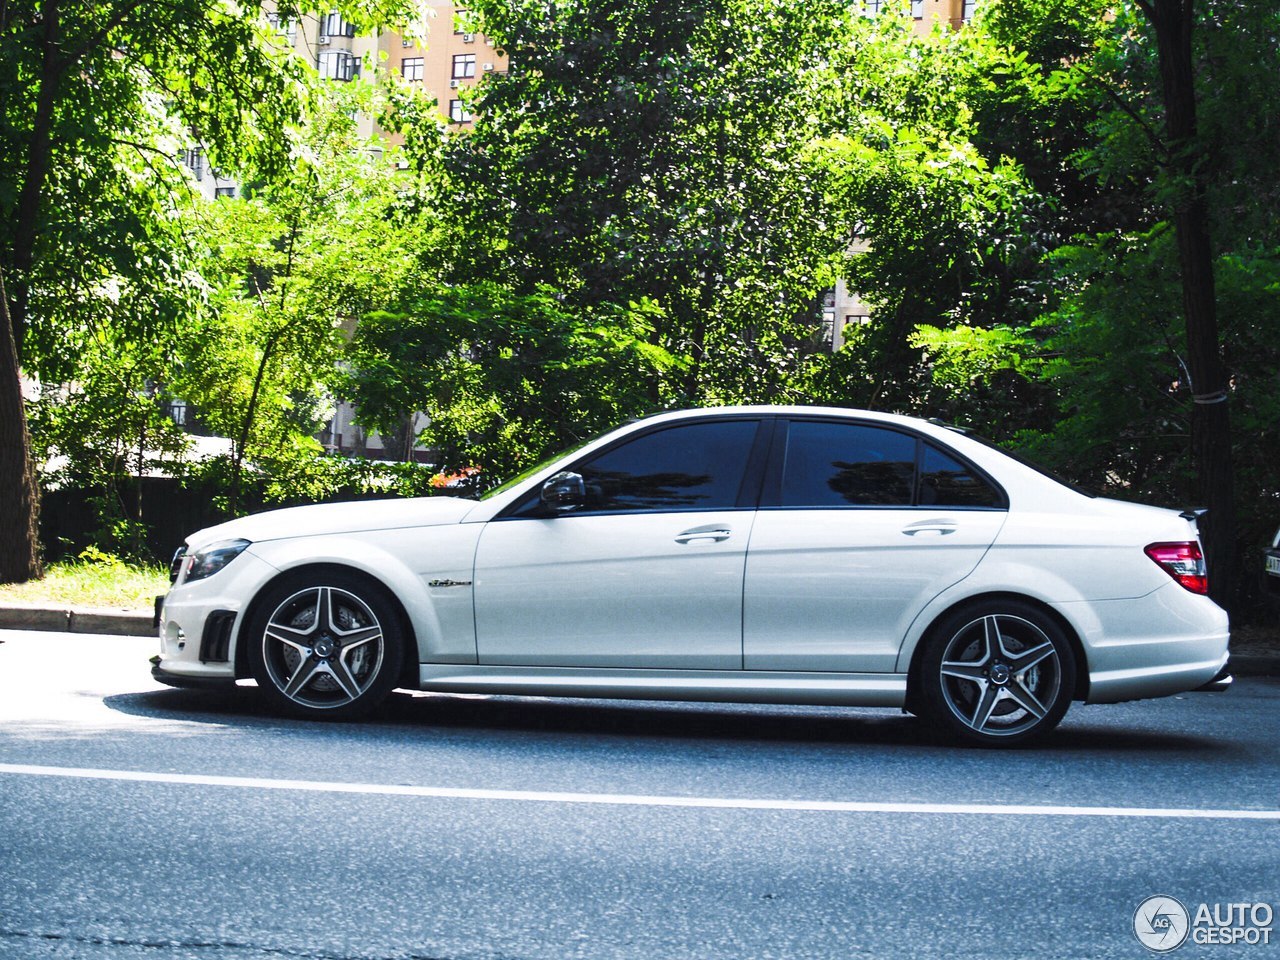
[
  {"x": 936, "y": 527},
  {"x": 704, "y": 533}
]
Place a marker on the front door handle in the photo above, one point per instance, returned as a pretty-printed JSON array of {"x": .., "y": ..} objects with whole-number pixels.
[
  {"x": 936, "y": 527},
  {"x": 713, "y": 533}
]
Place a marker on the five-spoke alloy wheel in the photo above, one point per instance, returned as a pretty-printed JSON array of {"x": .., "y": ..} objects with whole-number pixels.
[
  {"x": 325, "y": 645},
  {"x": 998, "y": 673}
]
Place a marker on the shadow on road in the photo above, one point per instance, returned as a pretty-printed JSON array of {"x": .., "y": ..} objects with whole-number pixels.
[{"x": 407, "y": 716}]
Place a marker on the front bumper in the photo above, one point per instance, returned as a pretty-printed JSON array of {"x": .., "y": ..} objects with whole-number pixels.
[
  {"x": 161, "y": 675},
  {"x": 199, "y": 623}
]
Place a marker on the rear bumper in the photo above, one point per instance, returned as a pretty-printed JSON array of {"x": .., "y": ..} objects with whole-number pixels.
[
  {"x": 1167, "y": 642},
  {"x": 1221, "y": 682}
]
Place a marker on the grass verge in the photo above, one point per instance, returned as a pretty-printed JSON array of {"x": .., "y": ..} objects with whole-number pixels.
[{"x": 92, "y": 583}]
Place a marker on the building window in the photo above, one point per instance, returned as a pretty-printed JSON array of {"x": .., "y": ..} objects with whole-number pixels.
[
  {"x": 966, "y": 11},
  {"x": 464, "y": 65},
  {"x": 194, "y": 159},
  {"x": 283, "y": 26},
  {"x": 332, "y": 25},
  {"x": 872, "y": 7},
  {"x": 224, "y": 192},
  {"x": 411, "y": 68},
  {"x": 458, "y": 113},
  {"x": 339, "y": 65},
  {"x": 856, "y": 318},
  {"x": 461, "y": 22},
  {"x": 917, "y": 9}
]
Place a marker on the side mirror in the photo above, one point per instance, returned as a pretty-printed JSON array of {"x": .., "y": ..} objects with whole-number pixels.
[{"x": 564, "y": 490}]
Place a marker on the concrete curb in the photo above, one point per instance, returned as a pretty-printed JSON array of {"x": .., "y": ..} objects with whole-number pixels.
[{"x": 121, "y": 623}]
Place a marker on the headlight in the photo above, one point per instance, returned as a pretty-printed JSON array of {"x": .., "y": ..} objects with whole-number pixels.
[{"x": 208, "y": 560}]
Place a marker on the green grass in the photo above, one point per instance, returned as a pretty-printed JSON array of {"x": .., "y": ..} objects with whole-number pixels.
[{"x": 92, "y": 583}]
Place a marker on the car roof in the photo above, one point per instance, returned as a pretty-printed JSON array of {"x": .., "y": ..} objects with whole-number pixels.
[{"x": 798, "y": 410}]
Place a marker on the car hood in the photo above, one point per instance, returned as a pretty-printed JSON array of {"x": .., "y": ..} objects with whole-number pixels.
[{"x": 329, "y": 518}]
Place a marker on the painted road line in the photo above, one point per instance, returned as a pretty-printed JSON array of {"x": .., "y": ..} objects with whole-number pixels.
[{"x": 639, "y": 800}]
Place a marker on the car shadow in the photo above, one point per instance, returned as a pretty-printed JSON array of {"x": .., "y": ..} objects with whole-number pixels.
[{"x": 407, "y": 715}]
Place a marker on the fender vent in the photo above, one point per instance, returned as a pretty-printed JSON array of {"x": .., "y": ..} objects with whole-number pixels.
[{"x": 215, "y": 642}]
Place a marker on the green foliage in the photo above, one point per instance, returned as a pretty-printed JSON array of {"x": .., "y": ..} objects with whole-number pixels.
[
  {"x": 1115, "y": 352},
  {"x": 503, "y": 377},
  {"x": 645, "y": 213},
  {"x": 648, "y": 151},
  {"x": 292, "y": 265},
  {"x": 935, "y": 216}
]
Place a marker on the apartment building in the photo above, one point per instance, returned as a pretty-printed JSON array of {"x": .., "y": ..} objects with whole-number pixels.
[{"x": 444, "y": 63}]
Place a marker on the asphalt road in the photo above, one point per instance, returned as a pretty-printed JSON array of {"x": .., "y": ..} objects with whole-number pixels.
[{"x": 138, "y": 821}]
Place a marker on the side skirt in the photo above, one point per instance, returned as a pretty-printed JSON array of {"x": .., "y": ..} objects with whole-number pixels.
[{"x": 717, "y": 686}]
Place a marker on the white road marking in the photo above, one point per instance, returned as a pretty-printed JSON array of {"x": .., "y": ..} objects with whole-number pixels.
[{"x": 639, "y": 800}]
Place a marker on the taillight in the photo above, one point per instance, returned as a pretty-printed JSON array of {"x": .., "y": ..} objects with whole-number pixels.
[{"x": 1184, "y": 562}]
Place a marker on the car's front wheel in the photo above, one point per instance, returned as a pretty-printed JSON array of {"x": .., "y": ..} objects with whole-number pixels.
[
  {"x": 997, "y": 674},
  {"x": 325, "y": 645}
]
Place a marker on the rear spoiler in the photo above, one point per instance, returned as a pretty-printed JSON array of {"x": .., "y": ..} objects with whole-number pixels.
[{"x": 1193, "y": 513}]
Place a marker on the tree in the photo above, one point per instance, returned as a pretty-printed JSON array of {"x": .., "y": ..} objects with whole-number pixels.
[
  {"x": 505, "y": 378},
  {"x": 1189, "y": 131},
  {"x": 1174, "y": 24},
  {"x": 80, "y": 85},
  {"x": 639, "y": 150},
  {"x": 80, "y": 88},
  {"x": 292, "y": 265},
  {"x": 934, "y": 218}
]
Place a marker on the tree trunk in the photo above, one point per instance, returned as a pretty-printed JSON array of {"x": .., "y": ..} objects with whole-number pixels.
[
  {"x": 1174, "y": 21},
  {"x": 39, "y": 155},
  {"x": 20, "y": 505}
]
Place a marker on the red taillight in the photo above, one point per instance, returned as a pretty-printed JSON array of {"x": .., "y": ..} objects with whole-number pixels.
[{"x": 1184, "y": 562}]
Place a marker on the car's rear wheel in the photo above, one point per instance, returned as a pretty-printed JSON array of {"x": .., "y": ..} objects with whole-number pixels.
[
  {"x": 325, "y": 644},
  {"x": 997, "y": 674}
]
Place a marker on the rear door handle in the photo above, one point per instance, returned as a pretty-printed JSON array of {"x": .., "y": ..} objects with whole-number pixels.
[
  {"x": 934, "y": 528},
  {"x": 712, "y": 533}
]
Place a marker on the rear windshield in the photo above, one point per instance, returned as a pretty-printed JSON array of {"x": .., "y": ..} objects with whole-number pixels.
[{"x": 1027, "y": 462}]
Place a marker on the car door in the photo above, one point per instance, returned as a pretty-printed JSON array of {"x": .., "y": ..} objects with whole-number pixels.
[
  {"x": 860, "y": 526},
  {"x": 645, "y": 572}
]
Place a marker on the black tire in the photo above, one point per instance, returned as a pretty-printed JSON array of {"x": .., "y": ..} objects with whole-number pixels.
[
  {"x": 325, "y": 644},
  {"x": 996, "y": 674}
]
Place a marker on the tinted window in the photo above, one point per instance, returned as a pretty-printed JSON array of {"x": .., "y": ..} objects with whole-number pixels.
[
  {"x": 841, "y": 464},
  {"x": 695, "y": 467},
  {"x": 945, "y": 482}
]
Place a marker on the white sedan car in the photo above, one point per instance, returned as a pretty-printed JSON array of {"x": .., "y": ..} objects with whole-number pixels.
[{"x": 792, "y": 555}]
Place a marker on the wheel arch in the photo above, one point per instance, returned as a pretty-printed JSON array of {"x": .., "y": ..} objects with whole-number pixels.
[
  {"x": 409, "y": 666},
  {"x": 1081, "y": 691}
]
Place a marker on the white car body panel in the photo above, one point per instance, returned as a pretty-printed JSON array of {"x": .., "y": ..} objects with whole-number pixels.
[
  {"x": 617, "y": 590},
  {"x": 428, "y": 569},
  {"x": 716, "y": 686},
  {"x": 357, "y": 516},
  {"x": 837, "y": 589},
  {"x": 186, "y": 610}
]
